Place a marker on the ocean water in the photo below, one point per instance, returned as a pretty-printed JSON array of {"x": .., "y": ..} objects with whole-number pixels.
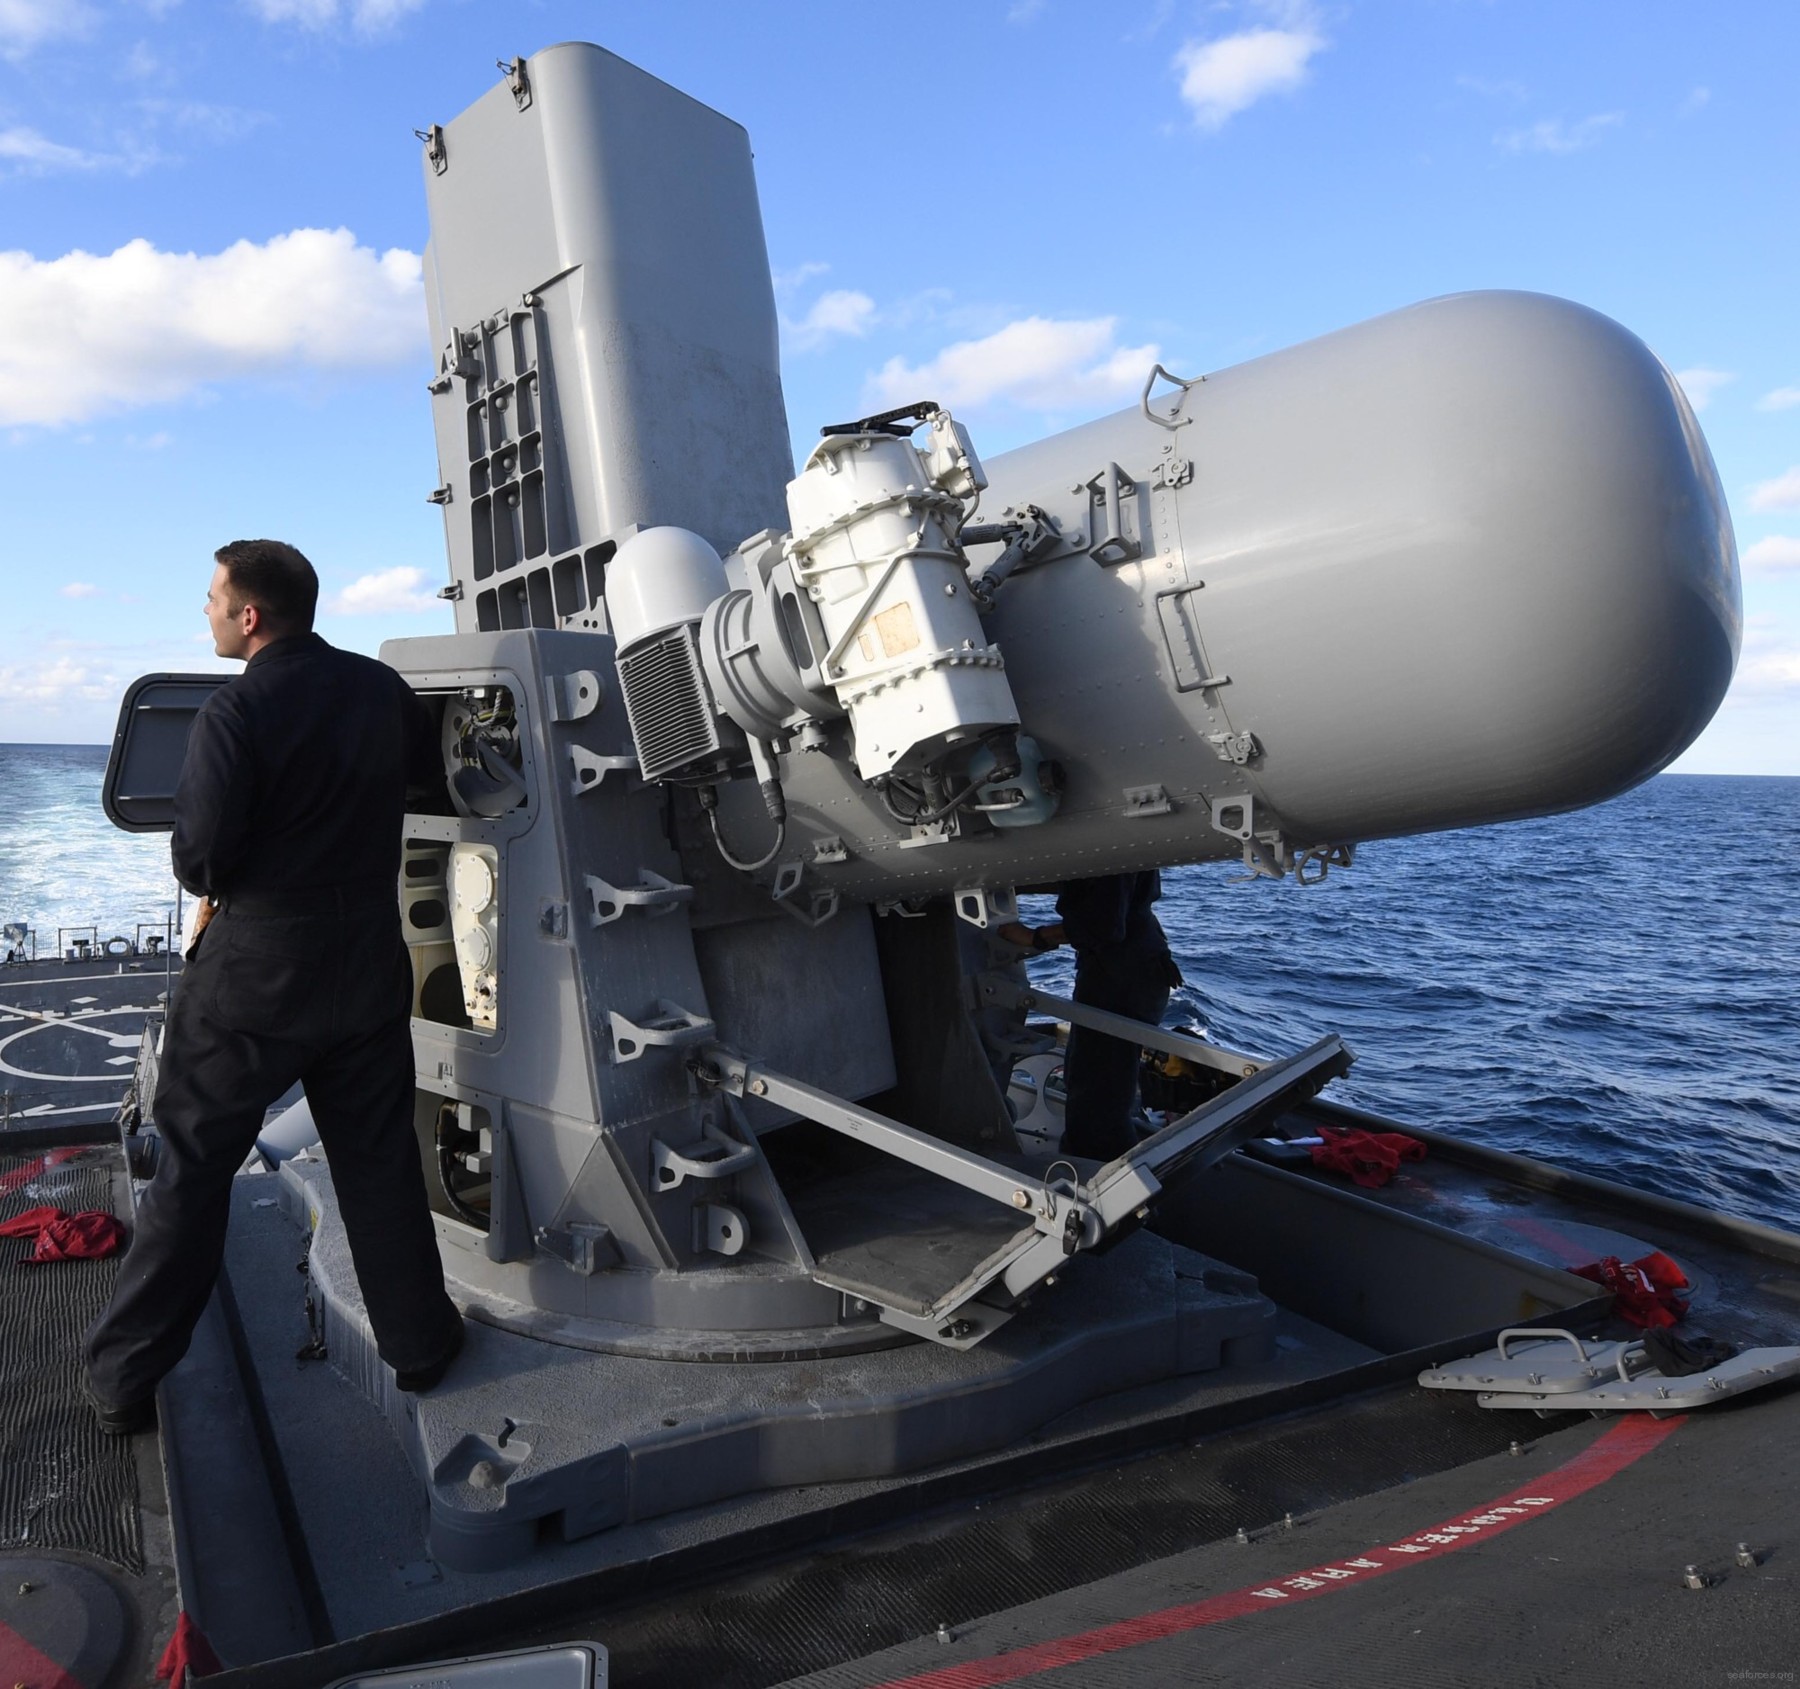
[{"x": 1616, "y": 991}]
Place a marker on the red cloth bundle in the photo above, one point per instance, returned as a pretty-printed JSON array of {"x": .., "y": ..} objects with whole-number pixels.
[
  {"x": 1370, "y": 1158},
  {"x": 89, "y": 1236},
  {"x": 1646, "y": 1291},
  {"x": 188, "y": 1654}
]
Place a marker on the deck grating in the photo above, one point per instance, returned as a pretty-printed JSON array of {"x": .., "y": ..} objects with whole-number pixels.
[{"x": 62, "y": 1484}]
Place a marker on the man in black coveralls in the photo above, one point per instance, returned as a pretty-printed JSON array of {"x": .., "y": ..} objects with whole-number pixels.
[
  {"x": 1122, "y": 965},
  {"x": 288, "y": 815}
]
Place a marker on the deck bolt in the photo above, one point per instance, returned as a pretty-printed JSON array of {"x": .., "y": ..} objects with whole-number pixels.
[
  {"x": 1515, "y": 1449},
  {"x": 1243, "y": 1535},
  {"x": 1694, "y": 1578},
  {"x": 945, "y": 1633},
  {"x": 1746, "y": 1557},
  {"x": 1287, "y": 1521},
  {"x": 25, "y": 1588}
]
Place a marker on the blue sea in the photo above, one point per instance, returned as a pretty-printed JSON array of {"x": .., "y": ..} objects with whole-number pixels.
[{"x": 1614, "y": 991}]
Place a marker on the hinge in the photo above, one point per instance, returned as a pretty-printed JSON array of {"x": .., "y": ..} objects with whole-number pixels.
[
  {"x": 451, "y": 594},
  {"x": 1233, "y": 747},
  {"x": 439, "y": 495},
  {"x": 1148, "y": 800},
  {"x": 434, "y": 147}
]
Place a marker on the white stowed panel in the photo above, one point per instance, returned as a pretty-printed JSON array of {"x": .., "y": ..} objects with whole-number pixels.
[
  {"x": 475, "y": 921},
  {"x": 874, "y": 524}
]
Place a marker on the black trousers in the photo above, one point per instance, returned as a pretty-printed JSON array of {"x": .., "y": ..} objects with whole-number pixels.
[
  {"x": 319, "y": 998},
  {"x": 1100, "y": 1071}
]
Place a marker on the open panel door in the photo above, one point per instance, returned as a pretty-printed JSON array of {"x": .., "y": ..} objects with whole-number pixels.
[{"x": 148, "y": 745}]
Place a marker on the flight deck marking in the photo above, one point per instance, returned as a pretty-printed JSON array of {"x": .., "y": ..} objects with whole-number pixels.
[
  {"x": 21, "y": 1663},
  {"x": 1605, "y": 1457}
]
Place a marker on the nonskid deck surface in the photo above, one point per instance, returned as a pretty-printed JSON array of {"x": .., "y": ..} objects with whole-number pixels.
[{"x": 1564, "y": 1564}]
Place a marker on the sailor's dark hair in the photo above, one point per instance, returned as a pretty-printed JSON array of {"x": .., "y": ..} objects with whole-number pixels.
[{"x": 274, "y": 577}]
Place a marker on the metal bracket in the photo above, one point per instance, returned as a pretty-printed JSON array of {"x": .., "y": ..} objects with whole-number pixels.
[
  {"x": 1315, "y": 864},
  {"x": 717, "y": 1155},
  {"x": 1113, "y": 486},
  {"x": 985, "y": 906},
  {"x": 719, "y": 1229},
  {"x": 670, "y": 1028},
  {"x": 436, "y": 156},
  {"x": 591, "y": 769},
  {"x": 585, "y": 1245},
  {"x": 1232, "y": 747},
  {"x": 653, "y": 894},
  {"x": 1147, "y": 800},
  {"x": 1234, "y": 817},
  {"x": 439, "y": 495},
  {"x": 829, "y": 849},
  {"x": 1174, "y": 470},
  {"x": 516, "y": 80},
  {"x": 1174, "y": 419},
  {"x": 573, "y": 696}
]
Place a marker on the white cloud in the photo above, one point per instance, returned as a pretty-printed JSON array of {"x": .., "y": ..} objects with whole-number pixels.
[
  {"x": 1023, "y": 11},
  {"x": 30, "y": 153},
  {"x": 843, "y": 311},
  {"x": 1769, "y": 666},
  {"x": 25, "y": 24},
  {"x": 89, "y": 334},
  {"x": 1701, "y": 384},
  {"x": 1697, "y": 100},
  {"x": 1553, "y": 135},
  {"x": 1220, "y": 78},
  {"x": 1036, "y": 363},
  {"x": 368, "y": 16},
  {"x": 1783, "y": 493},
  {"x": 1777, "y": 552},
  {"x": 79, "y": 589},
  {"x": 1781, "y": 399},
  {"x": 387, "y": 592}
]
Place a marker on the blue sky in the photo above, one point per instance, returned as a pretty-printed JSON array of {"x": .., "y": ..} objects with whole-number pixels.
[{"x": 212, "y": 214}]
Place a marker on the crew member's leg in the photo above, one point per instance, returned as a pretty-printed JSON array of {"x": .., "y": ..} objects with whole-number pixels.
[
  {"x": 362, "y": 1100},
  {"x": 215, "y": 1087},
  {"x": 361, "y": 1089},
  {"x": 1100, "y": 1071}
]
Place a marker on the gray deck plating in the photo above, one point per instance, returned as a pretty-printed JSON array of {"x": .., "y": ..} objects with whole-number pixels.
[{"x": 525, "y": 1433}]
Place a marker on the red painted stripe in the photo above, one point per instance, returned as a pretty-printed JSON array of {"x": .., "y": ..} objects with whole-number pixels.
[
  {"x": 23, "y": 1665},
  {"x": 1626, "y": 1442},
  {"x": 10, "y": 1182}
]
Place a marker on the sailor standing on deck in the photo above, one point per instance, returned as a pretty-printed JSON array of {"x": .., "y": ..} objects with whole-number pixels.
[
  {"x": 288, "y": 816},
  {"x": 1122, "y": 965}
]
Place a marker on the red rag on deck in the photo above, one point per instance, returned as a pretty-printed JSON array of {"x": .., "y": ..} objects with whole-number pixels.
[
  {"x": 1370, "y": 1158},
  {"x": 88, "y": 1236},
  {"x": 1645, "y": 1291},
  {"x": 188, "y": 1651}
]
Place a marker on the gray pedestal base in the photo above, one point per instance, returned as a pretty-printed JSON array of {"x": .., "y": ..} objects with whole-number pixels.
[{"x": 526, "y": 1436}]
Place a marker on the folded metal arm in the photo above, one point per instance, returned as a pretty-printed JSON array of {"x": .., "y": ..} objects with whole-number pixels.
[{"x": 1058, "y": 1217}]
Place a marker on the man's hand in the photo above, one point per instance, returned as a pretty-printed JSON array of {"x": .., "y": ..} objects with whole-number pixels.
[
  {"x": 204, "y": 910},
  {"x": 1034, "y": 939}
]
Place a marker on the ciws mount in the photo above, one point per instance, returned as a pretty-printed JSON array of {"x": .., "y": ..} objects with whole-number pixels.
[{"x": 741, "y": 764}]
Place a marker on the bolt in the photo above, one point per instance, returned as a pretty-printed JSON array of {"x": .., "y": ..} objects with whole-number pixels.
[
  {"x": 1746, "y": 1557},
  {"x": 949, "y": 589},
  {"x": 1287, "y": 1521},
  {"x": 1534, "y": 1378},
  {"x": 1020, "y": 1199},
  {"x": 945, "y": 1633},
  {"x": 1243, "y": 1535},
  {"x": 25, "y": 1588},
  {"x": 1694, "y": 1578},
  {"x": 759, "y": 1087},
  {"x": 1050, "y": 1281},
  {"x": 1515, "y": 1449}
]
